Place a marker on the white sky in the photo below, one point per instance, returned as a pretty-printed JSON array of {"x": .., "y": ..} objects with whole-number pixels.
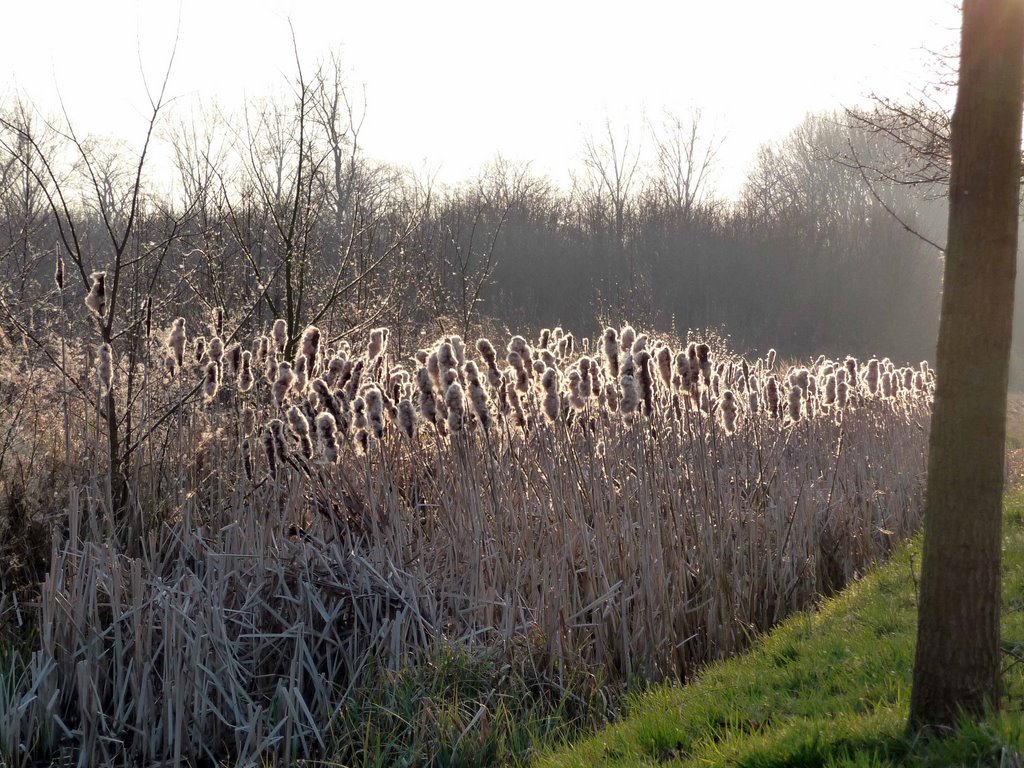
[{"x": 450, "y": 84}]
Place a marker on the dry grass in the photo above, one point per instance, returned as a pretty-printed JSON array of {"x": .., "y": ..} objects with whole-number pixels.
[{"x": 638, "y": 547}]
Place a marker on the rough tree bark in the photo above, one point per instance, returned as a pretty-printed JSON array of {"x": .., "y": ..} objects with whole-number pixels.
[{"x": 956, "y": 667}]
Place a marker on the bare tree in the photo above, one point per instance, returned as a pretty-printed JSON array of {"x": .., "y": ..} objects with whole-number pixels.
[
  {"x": 111, "y": 197},
  {"x": 685, "y": 156},
  {"x": 611, "y": 163},
  {"x": 956, "y": 665}
]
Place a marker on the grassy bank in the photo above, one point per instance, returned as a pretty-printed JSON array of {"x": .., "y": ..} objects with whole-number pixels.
[{"x": 829, "y": 687}]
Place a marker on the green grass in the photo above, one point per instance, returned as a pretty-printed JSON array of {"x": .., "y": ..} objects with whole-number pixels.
[{"x": 826, "y": 688}]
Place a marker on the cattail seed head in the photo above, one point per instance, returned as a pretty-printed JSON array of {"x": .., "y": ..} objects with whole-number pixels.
[
  {"x": 359, "y": 409},
  {"x": 215, "y": 349},
  {"x": 455, "y": 404},
  {"x": 588, "y": 372},
  {"x": 335, "y": 368},
  {"x": 283, "y": 383},
  {"x": 704, "y": 358},
  {"x": 245, "y": 377},
  {"x": 301, "y": 374},
  {"x": 105, "y": 368},
  {"x": 407, "y": 418},
  {"x": 428, "y": 406},
  {"x": 851, "y": 371},
  {"x": 270, "y": 449},
  {"x": 795, "y": 399},
  {"x": 309, "y": 346},
  {"x": 830, "y": 389},
  {"x": 233, "y": 357},
  {"x": 645, "y": 379},
  {"x": 842, "y": 393},
  {"x": 519, "y": 346},
  {"x": 871, "y": 377},
  {"x": 327, "y": 438},
  {"x": 610, "y": 394},
  {"x": 280, "y": 446},
  {"x": 626, "y": 338},
  {"x": 887, "y": 385},
  {"x": 96, "y": 300},
  {"x": 611, "y": 352},
  {"x": 247, "y": 462},
  {"x": 727, "y": 410},
  {"x": 260, "y": 349},
  {"x": 664, "y": 358},
  {"x": 355, "y": 377},
  {"x": 378, "y": 343},
  {"x": 299, "y": 426},
  {"x": 576, "y": 399},
  {"x": 211, "y": 380},
  {"x": 199, "y": 350},
  {"x": 552, "y": 402},
  {"x": 176, "y": 341},
  {"x": 630, "y": 399},
  {"x": 458, "y": 347},
  {"x": 248, "y": 420},
  {"x": 362, "y": 442},
  {"x": 375, "y": 411},
  {"x": 771, "y": 394},
  {"x": 279, "y": 333}
]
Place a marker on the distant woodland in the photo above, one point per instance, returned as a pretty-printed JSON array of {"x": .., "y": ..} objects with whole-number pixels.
[{"x": 831, "y": 246}]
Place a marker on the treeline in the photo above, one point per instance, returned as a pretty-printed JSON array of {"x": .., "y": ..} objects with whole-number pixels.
[{"x": 280, "y": 213}]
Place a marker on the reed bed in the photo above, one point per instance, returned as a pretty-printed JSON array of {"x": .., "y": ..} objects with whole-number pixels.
[{"x": 299, "y": 512}]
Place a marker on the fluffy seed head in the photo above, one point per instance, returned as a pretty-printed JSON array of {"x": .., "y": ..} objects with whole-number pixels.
[
  {"x": 299, "y": 426},
  {"x": 795, "y": 398},
  {"x": 871, "y": 377},
  {"x": 105, "y": 368},
  {"x": 455, "y": 403},
  {"x": 211, "y": 380},
  {"x": 552, "y": 402},
  {"x": 233, "y": 356},
  {"x": 176, "y": 341},
  {"x": 283, "y": 383},
  {"x": 309, "y": 346},
  {"x": 626, "y": 338},
  {"x": 375, "y": 411},
  {"x": 728, "y": 409},
  {"x": 664, "y": 357},
  {"x": 96, "y": 300},
  {"x": 610, "y": 340},
  {"x": 279, "y": 333},
  {"x": 245, "y": 377},
  {"x": 215, "y": 349},
  {"x": 378, "y": 343},
  {"x": 327, "y": 437},
  {"x": 406, "y": 418},
  {"x": 630, "y": 399}
]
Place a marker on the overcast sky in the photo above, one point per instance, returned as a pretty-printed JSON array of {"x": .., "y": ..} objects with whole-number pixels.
[{"x": 450, "y": 84}]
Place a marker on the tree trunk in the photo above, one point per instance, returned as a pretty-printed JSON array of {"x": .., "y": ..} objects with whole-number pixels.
[{"x": 956, "y": 667}]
